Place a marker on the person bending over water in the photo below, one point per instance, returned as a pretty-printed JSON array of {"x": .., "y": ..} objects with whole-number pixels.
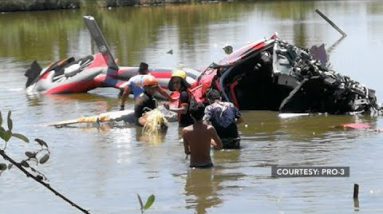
[
  {"x": 135, "y": 85},
  {"x": 145, "y": 102},
  {"x": 198, "y": 138}
]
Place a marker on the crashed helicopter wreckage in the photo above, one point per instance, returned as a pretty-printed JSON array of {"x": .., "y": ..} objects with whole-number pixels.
[
  {"x": 275, "y": 75},
  {"x": 266, "y": 75}
]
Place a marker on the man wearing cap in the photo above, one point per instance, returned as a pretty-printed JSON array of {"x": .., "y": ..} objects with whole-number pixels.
[
  {"x": 135, "y": 85},
  {"x": 224, "y": 117},
  {"x": 145, "y": 102}
]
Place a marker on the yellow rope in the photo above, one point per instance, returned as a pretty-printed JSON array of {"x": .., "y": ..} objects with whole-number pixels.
[{"x": 155, "y": 122}]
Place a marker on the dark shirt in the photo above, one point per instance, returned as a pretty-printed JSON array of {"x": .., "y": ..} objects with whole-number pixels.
[
  {"x": 185, "y": 119},
  {"x": 222, "y": 116},
  {"x": 226, "y": 132},
  {"x": 145, "y": 102}
]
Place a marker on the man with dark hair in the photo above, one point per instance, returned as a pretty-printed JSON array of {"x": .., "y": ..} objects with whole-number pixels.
[
  {"x": 198, "y": 138},
  {"x": 178, "y": 84},
  {"x": 224, "y": 117},
  {"x": 135, "y": 85}
]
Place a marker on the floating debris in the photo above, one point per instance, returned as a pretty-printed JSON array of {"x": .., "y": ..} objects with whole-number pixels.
[
  {"x": 228, "y": 49},
  {"x": 170, "y": 52}
]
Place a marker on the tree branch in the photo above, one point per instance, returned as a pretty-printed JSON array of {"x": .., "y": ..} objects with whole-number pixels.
[{"x": 39, "y": 180}]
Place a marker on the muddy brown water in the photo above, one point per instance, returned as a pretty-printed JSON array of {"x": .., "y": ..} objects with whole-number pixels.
[{"x": 104, "y": 169}]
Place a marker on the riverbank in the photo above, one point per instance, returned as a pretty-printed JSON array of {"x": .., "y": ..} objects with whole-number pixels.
[{"x": 31, "y": 5}]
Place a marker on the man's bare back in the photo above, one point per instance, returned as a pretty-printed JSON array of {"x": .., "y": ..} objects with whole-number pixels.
[{"x": 198, "y": 138}]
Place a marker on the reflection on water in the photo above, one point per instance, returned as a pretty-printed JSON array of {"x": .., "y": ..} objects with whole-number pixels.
[
  {"x": 190, "y": 30},
  {"x": 152, "y": 138},
  {"x": 104, "y": 168},
  {"x": 201, "y": 190}
]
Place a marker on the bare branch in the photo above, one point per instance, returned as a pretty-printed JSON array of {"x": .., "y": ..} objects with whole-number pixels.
[{"x": 39, "y": 179}]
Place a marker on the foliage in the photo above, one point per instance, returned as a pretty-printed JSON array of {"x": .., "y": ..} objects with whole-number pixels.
[
  {"x": 40, "y": 156},
  {"x": 22, "y": 5},
  {"x": 149, "y": 202}
]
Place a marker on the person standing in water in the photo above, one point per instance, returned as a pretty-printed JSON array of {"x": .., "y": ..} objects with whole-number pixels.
[
  {"x": 145, "y": 102},
  {"x": 224, "y": 117},
  {"x": 199, "y": 138},
  {"x": 178, "y": 84},
  {"x": 135, "y": 85}
]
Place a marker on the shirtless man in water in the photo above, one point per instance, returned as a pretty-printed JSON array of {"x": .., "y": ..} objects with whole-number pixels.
[{"x": 198, "y": 138}]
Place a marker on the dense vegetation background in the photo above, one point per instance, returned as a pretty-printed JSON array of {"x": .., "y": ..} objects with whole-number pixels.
[{"x": 26, "y": 5}]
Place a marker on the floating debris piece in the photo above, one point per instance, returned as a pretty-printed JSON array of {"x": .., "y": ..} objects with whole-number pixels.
[{"x": 228, "y": 49}]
